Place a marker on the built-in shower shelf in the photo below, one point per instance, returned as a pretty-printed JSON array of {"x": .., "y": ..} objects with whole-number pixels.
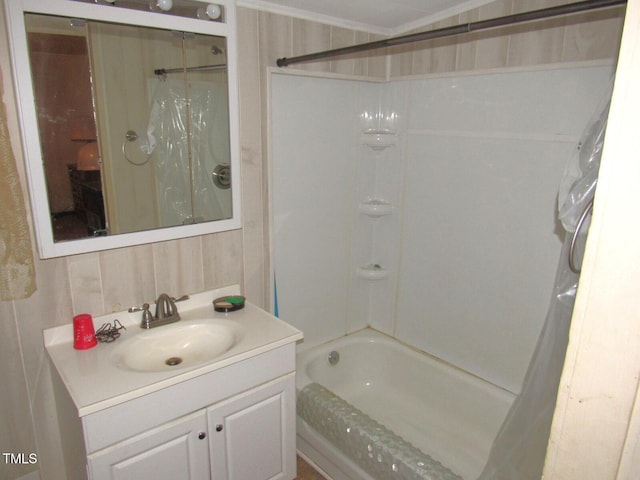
[
  {"x": 378, "y": 140},
  {"x": 375, "y": 208},
  {"x": 372, "y": 271}
]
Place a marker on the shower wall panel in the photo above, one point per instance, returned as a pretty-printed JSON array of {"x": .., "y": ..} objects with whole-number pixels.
[
  {"x": 313, "y": 180},
  {"x": 480, "y": 242},
  {"x": 479, "y": 250}
]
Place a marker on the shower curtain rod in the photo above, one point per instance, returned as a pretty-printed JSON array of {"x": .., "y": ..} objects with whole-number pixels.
[
  {"x": 202, "y": 68},
  {"x": 458, "y": 29}
]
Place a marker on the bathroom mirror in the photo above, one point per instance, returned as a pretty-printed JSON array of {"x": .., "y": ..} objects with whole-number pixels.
[{"x": 129, "y": 121}]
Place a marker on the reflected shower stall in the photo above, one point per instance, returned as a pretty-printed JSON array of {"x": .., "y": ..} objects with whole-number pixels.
[
  {"x": 166, "y": 131},
  {"x": 138, "y": 137}
]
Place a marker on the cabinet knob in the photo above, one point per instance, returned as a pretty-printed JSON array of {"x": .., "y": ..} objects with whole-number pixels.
[
  {"x": 202, "y": 435},
  {"x": 219, "y": 427}
]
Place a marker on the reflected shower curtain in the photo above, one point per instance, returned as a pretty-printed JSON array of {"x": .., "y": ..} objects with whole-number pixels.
[
  {"x": 185, "y": 190},
  {"x": 519, "y": 449}
]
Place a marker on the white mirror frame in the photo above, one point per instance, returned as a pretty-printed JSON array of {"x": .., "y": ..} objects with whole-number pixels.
[{"x": 15, "y": 10}]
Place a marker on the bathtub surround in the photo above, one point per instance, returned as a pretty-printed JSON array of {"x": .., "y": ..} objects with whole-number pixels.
[
  {"x": 114, "y": 280},
  {"x": 462, "y": 267}
]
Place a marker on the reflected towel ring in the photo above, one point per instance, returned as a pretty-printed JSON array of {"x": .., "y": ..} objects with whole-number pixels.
[{"x": 132, "y": 136}]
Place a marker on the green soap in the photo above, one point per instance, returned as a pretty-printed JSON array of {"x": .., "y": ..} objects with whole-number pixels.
[{"x": 237, "y": 300}]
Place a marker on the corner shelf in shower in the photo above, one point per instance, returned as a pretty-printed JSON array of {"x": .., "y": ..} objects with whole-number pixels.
[
  {"x": 372, "y": 271},
  {"x": 375, "y": 208},
  {"x": 378, "y": 140}
]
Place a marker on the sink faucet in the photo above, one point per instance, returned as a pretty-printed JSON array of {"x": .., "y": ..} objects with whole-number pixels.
[{"x": 166, "y": 312}]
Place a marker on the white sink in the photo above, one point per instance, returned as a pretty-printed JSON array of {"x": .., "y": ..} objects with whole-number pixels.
[
  {"x": 134, "y": 365},
  {"x": 179, "y": 345}
]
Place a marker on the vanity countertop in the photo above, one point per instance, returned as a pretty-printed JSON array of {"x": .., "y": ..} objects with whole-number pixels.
[{"x": 95, "y": 381}]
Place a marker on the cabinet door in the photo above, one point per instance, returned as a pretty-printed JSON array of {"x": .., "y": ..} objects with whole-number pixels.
[
  {"x": 177, "y": 450},
  {"x": 252, "y": 435}
]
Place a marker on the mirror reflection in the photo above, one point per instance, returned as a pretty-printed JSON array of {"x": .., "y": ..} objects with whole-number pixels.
[{"x": 133, "y": 125}]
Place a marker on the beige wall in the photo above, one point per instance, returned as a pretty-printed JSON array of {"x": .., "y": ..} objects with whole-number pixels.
[
  {"x": 585, "y": 36},
  {"x": 113, "y": 280}
]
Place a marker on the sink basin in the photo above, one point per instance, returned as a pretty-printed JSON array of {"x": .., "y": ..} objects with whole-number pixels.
[{"x": 180, "y": 345}]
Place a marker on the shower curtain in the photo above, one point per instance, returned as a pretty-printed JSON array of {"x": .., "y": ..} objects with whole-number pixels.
[
  {"x": 185, "y": 190},
  {"x": 519, "y": 449}
]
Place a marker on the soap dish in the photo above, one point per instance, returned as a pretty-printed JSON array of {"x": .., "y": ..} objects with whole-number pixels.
[{"x": 229, "y": 303}]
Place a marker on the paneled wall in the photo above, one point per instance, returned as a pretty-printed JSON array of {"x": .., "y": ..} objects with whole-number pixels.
[{"x": 586, "y": 36}]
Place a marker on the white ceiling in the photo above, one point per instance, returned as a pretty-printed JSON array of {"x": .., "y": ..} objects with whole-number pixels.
[{"x": 387, "y": 17}]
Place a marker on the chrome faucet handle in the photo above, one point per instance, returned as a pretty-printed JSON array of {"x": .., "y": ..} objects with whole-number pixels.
[
  {"x": 180, "y": 299},
  {"x": 147, "y": 318}
]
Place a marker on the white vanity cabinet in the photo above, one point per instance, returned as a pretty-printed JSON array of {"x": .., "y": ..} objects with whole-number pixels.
[
  {"x": 248, "y": 436},
  {"x": 235, "y": 423},
  {"x": 229, "y": 418}
]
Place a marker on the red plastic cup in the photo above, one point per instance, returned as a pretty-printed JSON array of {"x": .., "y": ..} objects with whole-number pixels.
[{"x": 84, "y": 336}]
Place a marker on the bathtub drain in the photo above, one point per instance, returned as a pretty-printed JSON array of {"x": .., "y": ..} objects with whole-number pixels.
[{"x": 334, "y": 357}]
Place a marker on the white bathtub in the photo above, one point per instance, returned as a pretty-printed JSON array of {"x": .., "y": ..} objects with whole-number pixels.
[{"x": 445, "y": 412}]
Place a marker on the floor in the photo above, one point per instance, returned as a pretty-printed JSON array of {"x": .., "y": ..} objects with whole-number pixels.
[{"x": 306, "y": 472}]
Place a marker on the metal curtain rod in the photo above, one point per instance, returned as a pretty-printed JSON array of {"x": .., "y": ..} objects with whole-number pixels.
[
  {"x": 202, "y": 68},
  {"x": 458, "y": 29}
]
